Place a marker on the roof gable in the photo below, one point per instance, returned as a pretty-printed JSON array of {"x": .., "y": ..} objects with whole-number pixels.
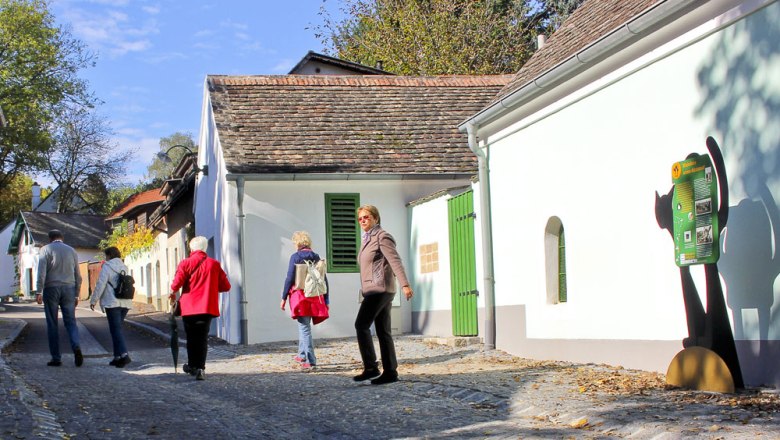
[
  {"x": 347, "y": 124},
  {"x": 80, "y": 230},
  {"x": 591, "y": 21},
  {"x": 142, "y": 199},
  {"x": 313, "y": 62}
]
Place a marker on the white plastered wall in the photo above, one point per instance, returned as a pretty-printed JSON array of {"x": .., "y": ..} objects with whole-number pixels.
[{"x": 596, "y": 161}]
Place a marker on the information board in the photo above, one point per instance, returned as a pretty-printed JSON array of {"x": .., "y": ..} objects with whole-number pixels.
[{"x": 694, "y": 205}]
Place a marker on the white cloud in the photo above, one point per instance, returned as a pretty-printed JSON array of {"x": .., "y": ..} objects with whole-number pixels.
[
  {"x": 145, "y": 149},
  {"x": 110, "y": 30},
  {"x": 203, "y": 33},
  {"x": 284, "y": 66},
  {"x": 233, "y": 25},
  {"x": 163, "y": 57},
  {"x": 124, "y": 47},
  {"x": 151, "y": 10},
  {"x": 206, "y": 46}
]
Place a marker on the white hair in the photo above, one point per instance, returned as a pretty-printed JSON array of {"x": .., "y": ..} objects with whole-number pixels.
[{"x": 199, "y": 244}]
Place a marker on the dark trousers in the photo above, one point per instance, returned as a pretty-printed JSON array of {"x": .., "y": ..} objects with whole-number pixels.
[
  {"x": 197, "y": 329},
  {"x": 376, "y": 309}
]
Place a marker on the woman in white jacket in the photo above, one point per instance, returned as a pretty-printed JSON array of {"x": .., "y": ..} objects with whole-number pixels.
[{"x": 115, "y": 309}]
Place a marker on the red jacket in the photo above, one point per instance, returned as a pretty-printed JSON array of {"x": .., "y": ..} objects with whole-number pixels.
[{"x": 201, "y": 294}]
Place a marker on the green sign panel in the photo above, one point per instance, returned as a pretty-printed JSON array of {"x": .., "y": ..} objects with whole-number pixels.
[{"x": 695, "y": 204}]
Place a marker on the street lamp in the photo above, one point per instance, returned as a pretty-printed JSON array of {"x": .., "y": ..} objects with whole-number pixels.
[{"x": 167, "y": 159}]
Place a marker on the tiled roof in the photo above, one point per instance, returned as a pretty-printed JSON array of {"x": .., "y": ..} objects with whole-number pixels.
[
  {"x": 80, "y": 230},
  {"x": 591, "y": 21},
  {"x": 136, "y": 200},
  {"x": 348, "y": 124}
]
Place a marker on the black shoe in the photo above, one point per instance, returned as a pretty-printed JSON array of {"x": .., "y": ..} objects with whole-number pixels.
[
  {"x": 53, "y": 363},
  {"x": 367, "y": 374},
  {"x": 385, "y": 378},
  {"x": 200, "y": 374},
  {"x": 114, "y": 362},
  {"x": 124, "y": 360},
  {"x": 186, "y": 368},
  {"x": 78, "y": 358}
]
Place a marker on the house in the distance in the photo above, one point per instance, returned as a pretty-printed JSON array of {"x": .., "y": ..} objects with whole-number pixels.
[
  {"x": 10, "y": 270},
  {"x": 136, "y": 211},
  {"x": 314, "y": 63},
  {"x": 302, "y": 152},
  {"x": 83, "y": 232}
]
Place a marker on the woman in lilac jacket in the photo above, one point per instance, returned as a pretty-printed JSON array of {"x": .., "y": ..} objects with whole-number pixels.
[{"x": 380, "y": 265}]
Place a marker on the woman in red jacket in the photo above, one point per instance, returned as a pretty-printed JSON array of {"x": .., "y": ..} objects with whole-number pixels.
[{"x": 200, "y": 279}]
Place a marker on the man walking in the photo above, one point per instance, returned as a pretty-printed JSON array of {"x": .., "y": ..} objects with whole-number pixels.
[{"x": 58, "y": 275}]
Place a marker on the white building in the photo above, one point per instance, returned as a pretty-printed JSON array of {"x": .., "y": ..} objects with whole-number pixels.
[
  {"x": 288, "y": 153},
  {"x": 581, "y": 140}
]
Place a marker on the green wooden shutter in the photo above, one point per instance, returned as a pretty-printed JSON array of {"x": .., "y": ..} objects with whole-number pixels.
[
  {"x": 343, "y": 237},
  {"x": 561, "y": 266},
  {"x": 463, "y": 265}
]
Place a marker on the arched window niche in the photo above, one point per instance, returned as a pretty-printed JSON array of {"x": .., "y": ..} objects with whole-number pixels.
[{"x": 555, "y": 261}]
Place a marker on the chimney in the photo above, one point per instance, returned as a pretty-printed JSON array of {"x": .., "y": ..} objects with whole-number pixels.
[
  {"x": 36, "y": 195},
  {"x": 378, "y": 65},
  {"x": 540, "y": 40}
]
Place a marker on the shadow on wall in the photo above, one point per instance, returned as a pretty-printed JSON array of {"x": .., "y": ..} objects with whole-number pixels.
[{"x": 741, "y": 95}]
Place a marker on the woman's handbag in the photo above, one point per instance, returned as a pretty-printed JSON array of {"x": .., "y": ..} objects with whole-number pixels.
[{"x": 314, "y": 306}]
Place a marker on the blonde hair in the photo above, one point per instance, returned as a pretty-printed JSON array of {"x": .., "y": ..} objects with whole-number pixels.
[
  {"x": 302, "y": 239},
  {"x": 371, "y": 209}
]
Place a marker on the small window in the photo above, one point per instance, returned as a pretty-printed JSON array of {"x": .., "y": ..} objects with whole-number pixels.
[
  {"x": 343, "y": 232},
  {"x": 555, "y": 261},
  {"x": 429, "y": 258}
]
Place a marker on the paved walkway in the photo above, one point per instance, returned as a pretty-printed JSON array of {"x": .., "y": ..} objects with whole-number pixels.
[{"x": 257, "y": 391}]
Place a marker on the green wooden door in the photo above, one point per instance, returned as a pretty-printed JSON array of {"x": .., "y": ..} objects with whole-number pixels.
[{"x": 463, "y": 266}]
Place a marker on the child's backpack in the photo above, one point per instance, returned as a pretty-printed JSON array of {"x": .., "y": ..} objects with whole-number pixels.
[
  {"x": 125, "y": 288},
  {"x": 314, "y": 284}
]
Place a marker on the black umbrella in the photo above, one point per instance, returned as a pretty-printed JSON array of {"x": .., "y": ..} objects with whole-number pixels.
[{"x": 174, "y": 341}]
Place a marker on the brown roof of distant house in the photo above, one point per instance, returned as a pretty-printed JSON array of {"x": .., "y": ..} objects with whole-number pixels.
[
  {"x": 80, "y": 230},
  {"x": 348, "y": 124},
  {"x": 591, "y": 21},
  {"x": 312, "y": 56},
  {"x": 141, "y": 199}
]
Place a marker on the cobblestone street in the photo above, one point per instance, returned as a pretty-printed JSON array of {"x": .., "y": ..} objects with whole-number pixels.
[{"x": 257, "y": 391}]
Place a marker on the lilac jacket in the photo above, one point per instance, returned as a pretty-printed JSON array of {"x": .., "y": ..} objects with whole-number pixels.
[{"x": 379, "y": 261}]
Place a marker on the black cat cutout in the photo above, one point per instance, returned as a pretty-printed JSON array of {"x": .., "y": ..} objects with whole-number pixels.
[{"x": 711, "y": 328}]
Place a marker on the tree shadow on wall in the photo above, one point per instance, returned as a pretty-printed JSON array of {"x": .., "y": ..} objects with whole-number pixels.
[{"x": 742, "y": 99}]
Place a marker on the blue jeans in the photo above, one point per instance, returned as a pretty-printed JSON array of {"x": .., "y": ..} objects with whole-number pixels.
[
  {"x": 305, "y": 342},
  {"x": 55, "y": 298},
  {"x": 116, "y": 316}
]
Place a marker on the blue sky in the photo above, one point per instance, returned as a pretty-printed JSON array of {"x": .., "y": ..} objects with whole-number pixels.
[{"x": 153, "y": 56}]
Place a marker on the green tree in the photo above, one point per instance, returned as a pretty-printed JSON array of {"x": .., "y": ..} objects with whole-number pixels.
[
  {"x": 140, "y": 239},
  {"x": 558, "y": 10},
  {"x": 119, "y": 194},
  {"x": 436, "y": 37},
  {"x": 39, "y": 63},
  {"x": 84, "y": 161},
  {"x": 159, "y": 170},
  {"x": 17, "y": 196},
  {"x": 433, "y": 37}
]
